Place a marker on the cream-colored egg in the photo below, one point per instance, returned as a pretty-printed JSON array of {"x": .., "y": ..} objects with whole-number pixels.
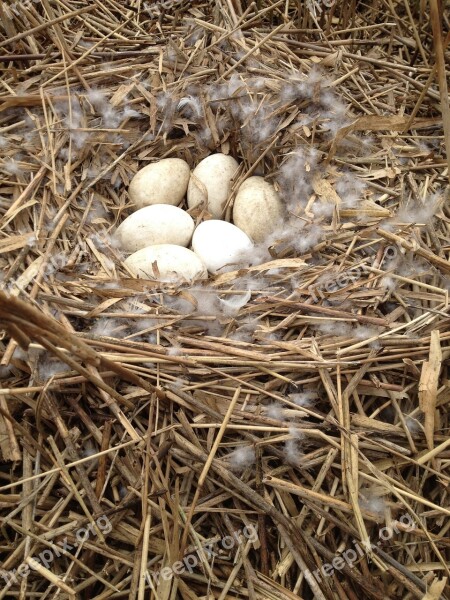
[
  {"x": 257, "y": 209},
  {"x": 210, "y": 183},
  {"x": 162, "y": 182},
  {"x": 168, "y": 263},
  {"x": 156, "y": 224},
  {"x": 221, "y": 246}
]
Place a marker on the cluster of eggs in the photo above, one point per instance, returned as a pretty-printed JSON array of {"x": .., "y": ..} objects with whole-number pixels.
[{"x": 158, "y": 233}]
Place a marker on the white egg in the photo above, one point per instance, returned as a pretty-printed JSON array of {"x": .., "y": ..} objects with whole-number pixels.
[
  {"x": 166, "y": 262},
  {"x": 162, "y": 182},
  {"x": 210, "y": 183},
  {"x": 156, "y": 224},
  {"x": 221, "y": 245},
  {"x": 257, "y": 209}
]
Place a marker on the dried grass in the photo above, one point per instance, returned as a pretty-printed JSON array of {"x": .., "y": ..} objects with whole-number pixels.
[{"x": 317, "y": 413}]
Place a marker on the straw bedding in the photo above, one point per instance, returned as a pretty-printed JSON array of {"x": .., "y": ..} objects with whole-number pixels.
[{"x": 272, "y": 418}]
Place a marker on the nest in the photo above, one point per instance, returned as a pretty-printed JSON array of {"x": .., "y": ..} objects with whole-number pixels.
[{"x": 279, "y": 431}]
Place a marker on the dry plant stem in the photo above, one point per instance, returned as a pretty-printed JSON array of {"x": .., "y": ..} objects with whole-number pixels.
[
  {"x": 31, "y": 32},
  {"x": 206, "y": 467},
  {"x": 314, "y": 416},
  {"x": 436, "y": 10}
]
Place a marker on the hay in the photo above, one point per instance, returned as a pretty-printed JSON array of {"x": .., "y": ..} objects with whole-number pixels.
[{"x": 304, "y": 398}]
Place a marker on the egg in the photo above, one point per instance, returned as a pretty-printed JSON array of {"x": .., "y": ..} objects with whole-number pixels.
[
  {"x": 156, "y": 224},
  {"x": 257, "y": 209},
  {"x": 210, "y": 183},
  {"x": 166, "y": 262},
  {"x": 162, "y": 182},
  {"x": 220, "y": 245}
]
